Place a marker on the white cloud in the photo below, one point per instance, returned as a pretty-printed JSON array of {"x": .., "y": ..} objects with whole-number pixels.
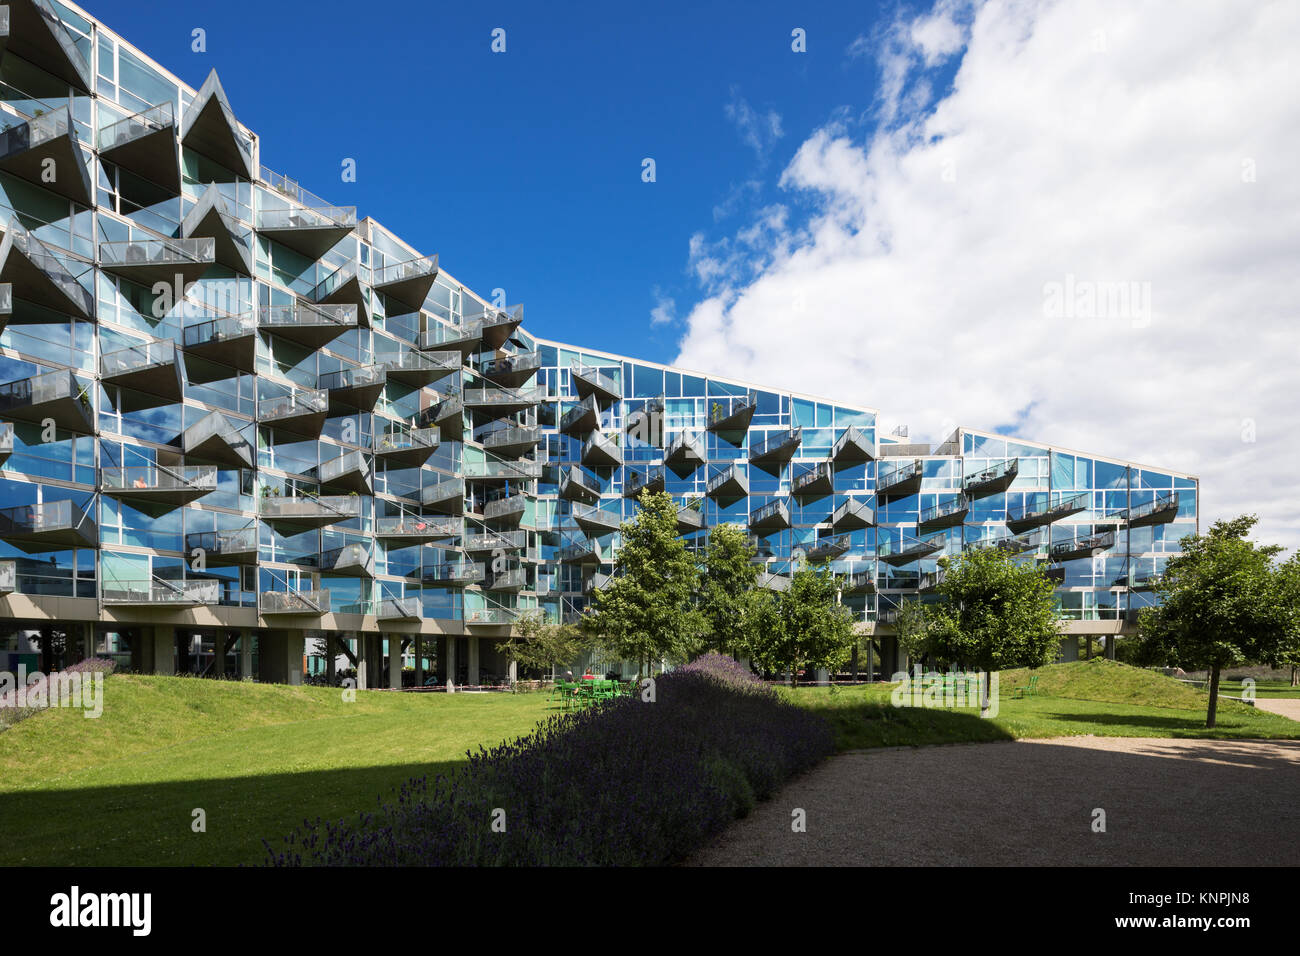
[
  {"x": 758, "y": 131},
  {"x": 665, "y": 310},
  {"x": 1080, "y": 142}
]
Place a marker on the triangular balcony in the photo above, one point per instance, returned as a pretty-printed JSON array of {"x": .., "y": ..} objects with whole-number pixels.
[
  {"x": 148, "y": 261},
  {"x": 452, "y": 574},
  {"x": 358, "y": 387},
  {"x": 690, "y": 516},
  {"x": 512, "y": 441},
  {"x": 1044, "y": 508},
  {"x": 150, "y": 368},
  {"x": 310, "y": 231},
  {"x": 494, "y": 542},
  {"x": 992, "y": 480},
  {"x": 301, "y": 413},
  {"x": 353, "y": 560},
  {"x": 510, "y": 579},
  {"x": 224, "y": 548},
  {"x": 351, "y": 471},
  {"x": 447, "y": 413},
  {"x": 229, "y": 340},
  {"x": 729, "y": 484},
  {"x": 406, "y": 447},
  {"x": 48, "y": 526},
  {"x": 582, "y": 418},
  {"x": 418, "y": 369},
  {"x": 908, "y": 549},
  {"x": 945, "y": 514},
  {"x": 600, "y": 451},
  {"x": 773, "y": 516},
  {"x": 930, "y": 580},
  {"x": 211, "y": 218},
  {"x": 145, "y": 144},
  {"x": 6, "y": 440},
  {"x": 653, "y": 479},
  {"x": 462, "y": 339},
  {"x": 576, "y": 485},
  {"x": 502, "y": 401},
  {"x": 209, "y": 128},
  {"x": 852, "y": 514},
  {"x": 685, "y": 453},
  {"x": 346, "y": 285},
  {"x": 645, "y": 422},
  {"x": 58, "y": 396},
  {"x": 901, "y": 479},
  {"x": 770, "y": 581},
  {"x": 775, "y": 448},
  {"x": 591, "y": 380},
  {"x": 1160, "y": 511},
  {"x": 579, "y": 552},
  {"x": 304, "y": 603},
  {"x": 500, "y": 472},
  {"x": 860, "y": 582},
  {"x": 212, "y": 438},
  {"x": 495, "y": 326},
  {"x": 37, "y": 34},
  {"x": 828, "y": 549},
  {"x": 404, "y": 530},
  {"x": 1081, "y": 546},
  {"x": 509, "y": 510},
  {"x": 732, "y": 413},
  {"x": 151, "y": 486},
  {"x": 814, "y": 483},
  {"x": 446, "y": 496},
  {"x": 40, "y": 275},
  {"x": 45, "y": 150},
  {"x": 408, "y": 282},
  {"x": 595, "y": 520},
  {"x": 400, "y": 609},
  {"x": 512, "y": 371},
  {"x": 853, "y": 447},
  {"x": 309, "y": 325},
  {"x": 297, "y": 512}
]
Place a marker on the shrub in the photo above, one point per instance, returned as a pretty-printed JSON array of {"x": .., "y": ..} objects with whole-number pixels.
[
  {"x": 723, "y": 668},
  {"x": 624, "y": 783},
  {"x": 11, "y": 713}
]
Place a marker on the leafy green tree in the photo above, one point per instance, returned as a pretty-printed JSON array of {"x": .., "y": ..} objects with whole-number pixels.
[
  {"x": 541, "y": 645},
  {"x": 804, "y": 626},
  {"x": 913, "y": 626},
  {"x": 729, "y": 576},
  {"x": 648, "y": 611},
  {"x": 1222, "y": 602},
  {"x": 993, "y": 614}
]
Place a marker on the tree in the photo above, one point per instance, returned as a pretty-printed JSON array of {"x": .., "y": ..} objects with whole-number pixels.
[
  {"x": 729, "y": 576},
  {"x": 993, "y": 614},
  {"x": 805, "y": 626},
  {"x": 648, "y": 612},
  {"x": 912, "y": 626},
  {"x": 1222, "y": 602},
  {"x": 538, "y": 644}
]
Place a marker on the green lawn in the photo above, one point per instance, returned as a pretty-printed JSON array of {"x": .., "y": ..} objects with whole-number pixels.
[
  {"x": 258, "y": 758},
  {"x": 1263, "y": 688},
  {"x": 1097, "y": 697}
]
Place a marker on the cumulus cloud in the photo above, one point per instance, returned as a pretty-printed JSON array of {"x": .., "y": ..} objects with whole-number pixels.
[
  {"x": 758, "y": 131},
  {"x": 1089, "y": 238}
]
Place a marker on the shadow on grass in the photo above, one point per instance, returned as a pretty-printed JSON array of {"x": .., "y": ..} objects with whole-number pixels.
[
  {"x": 152, "y": 824},
  {"x": 860, "y": 724},
  {"x": 1189, "y": 724}
]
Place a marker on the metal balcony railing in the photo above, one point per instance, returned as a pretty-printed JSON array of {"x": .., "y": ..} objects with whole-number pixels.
[
  {"x": 146, "y": 478},
  {"x": 1082, "y": 546},
  {"x": 307, "y": 217},
  {"x": 600, "y": 450},
  {"x": 278, "y": 318},
  {"x": 945, "y": 514},
  {"x": 522, "y": 470},
  {"x": 289, "y": 508},
  {"x": 995, "y": 478},
  {"x": 853, "y": 446},
  {"x": 776, "y": 513},
  {"x": 595, "y": 518},
  {"x": 133, "y": 358},
  {"x": 589, "y": 378},
  {"x": 417, "y": 526},
  {"x": 575, "y": 483},
  {"x": 293, "y": 602},
  {"x": 817, "y": 480},
  {"x": 729, "y": 480},
  {"x": 908, "y": 549},
  {"x": 357, "y": 377},
  {"x": 853, "y": 513},
  {"x": 584, "y": 416},
  {"x": 453, "y": 572},
  {"x": 157, "y": 252},
  {"x": 299, "y": 401},
  {"x": 156, "y": 590},
  {"x": 1046, "y": 507},
  {"x": 732, "y": 412},
  {"x": 511, "y": 506},
  {"x": 220, "y": 330},
  {"x": 685, "y": 447},
  {"x": 240, "y": 543},
  {"x": 652, "y": 479},
  {"x": 496, "y": 541},
  {"x": 776, "y": 445},
  {"x": 903, "y": 478},
  {"x": 1162, "y": 509}
]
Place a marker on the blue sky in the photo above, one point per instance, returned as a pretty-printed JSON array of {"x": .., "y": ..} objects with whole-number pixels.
[{"x": 523, "y": 169}]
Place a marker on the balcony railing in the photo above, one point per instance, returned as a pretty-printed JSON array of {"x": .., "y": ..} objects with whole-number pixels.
[
  {"x": 860, "y": 582},
  {"x": 397, "y": 440},
  {"x": 908, "y": 549},
  {"x": 599, "y": 450},
  {"x": 509, "y": 508},
  {"x": 496, "y": 541},
  {"x": 239, "y": 546},
  {"x": 307, "y": 217},
  {"x": 503, "y": 399},
  {"x": 512, "y": 440},
  {"x": 589, "y": 379},
  {"x": 490, "y": 616},
  {"x": 945, "y": 514},
  {"x": 507, "y": 579},
  {"x": 156, "y": 590},
  {"x": 580, "y": 552},
  {"x": 774, "y": 514},
  {"x": 851, "y": 514},
  {"x": 326, "y": 509},
  {"x": 146, "y": 479},
  {"x": 776, "y": 446},
  {"x": 816, "y": 482},
  {"x": 853, "y": 447},
  {"x": 733, "y": 412},
  {"x": 511, "y": 370},
  {"x": 357, "y": 560},
  {"x": 583, "y": 417},
  {"x": 1040, "y": 509},
  {"x": 49, "y": 282},
  {"x": 901, "y": 479},
  {"x": 293, "y": 602},
  {"x": 829, "y": 548},
  {"x": 1082, "y": 546},
  {"x": 56, "y": 395},
  {"x": 593, "y": 518},
  {"x": 652, "y": 479},
  {"x": 576, "y": 485},
  {"x": 136, "y": 358},
  {"x": 996, "y": 478},
  {"x": 685, "y": 448},
  {"x": 400, "y": 609},
  {"x": 154, "y": 257},
  {"x": 358, "y": 377},
  {"x": 299, "y": 402},
  {"x": 1162, "y": 509},
  {"x": 729, "y": 482},
  {"x": 522, "y": 470},
  {"x": 50, "y": 525},
  {"x": 307, "y": 322},
  {"x": 453, "y": 573}
]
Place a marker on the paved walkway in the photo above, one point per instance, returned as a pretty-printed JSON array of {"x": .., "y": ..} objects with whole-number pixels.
[{"x": 1031, "y": 802}]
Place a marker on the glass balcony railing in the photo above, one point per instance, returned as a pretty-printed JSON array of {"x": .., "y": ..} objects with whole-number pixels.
[
  {"x": 160, "y": 478},
  {"x": 349, "y": 465},
  {"x": 33, "y": 398},
  {"x": 516, "y": 438},
  {"x": 425, "y": 267},
  {"x": 510, "y": 369},
  {"x": 44, "y": 518},
  {"x": 220, "y": 329},
  {"x": 593, "y": 518},
  {"x": 351, "y": 559},
  {"x": 490, "y": 615},
  {"x": 153, "y": 254},
  {"x": 1046, "y": 507},
  {"x": 1162, "y": 509},
  {"x": 776, "y": 445},
  {"x": 508, "y": 579},
  {"x": 511, "y": 507},
  {"x": 589, "y": 378},
  {"x": 443, "y": 490},
  {"x": 732, "y": 412},
  {"x": 8, "y": 575},
  {"x": 578, "y": 552},
  {"x": 945, "y": 514},
  {"x": 135, "y": 358},
  {"x": 653, "y": 478},
  {"x": 417, "y": 526},
  {"x": 517, "y": 470},
  {"x": 347, "y": 273},
  {"x": 6, "y": 440},
  {"x": 293, "y": 602},
  {"x": 301, "y": 315},
  {"x": 400, "y": 439},
  {"x": 299, "y": 401},
  {"x": 453, "y": 573},
  {"x": 155, "y": 119},
  {"x": 156, "y": 590},
  {"x": 237, "y": 545},
  {"x": 358, "y": 377},
  {"x": 853, "y": 513},
  {"x": 829, "y": 548},
  {"x": 302, "y": 217},
  {"x": 325, "y": 508},
  {"x": 54, "y": 270},
  {"x": 860, "y": 582},
  {"x": 503, "y": 398}
]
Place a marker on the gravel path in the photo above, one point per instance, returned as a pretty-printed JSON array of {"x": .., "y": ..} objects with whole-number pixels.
[
  {"x": 1286, "y": 706},
  {"x": 1031, "y": 802}
]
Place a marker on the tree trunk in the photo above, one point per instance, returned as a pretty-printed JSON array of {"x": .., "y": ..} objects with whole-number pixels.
[
  {"x": 855, "y": 663},
  {"x": 1295, "y": 676},
  {"x": 1214, "y": 696},
  {"x": 984, "y": 697}
]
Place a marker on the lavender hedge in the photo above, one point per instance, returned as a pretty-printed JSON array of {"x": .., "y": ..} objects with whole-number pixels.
[
  {"x": 626, "y": 783},
  {"x": 11, "y": 713}
]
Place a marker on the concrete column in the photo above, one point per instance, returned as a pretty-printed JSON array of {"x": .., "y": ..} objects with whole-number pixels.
[
  {"x": 1110, "y": 647},
  {"x": 394, "y": 661},
  {"x": 871, "y": 660},
  {"x": 472, "y": 676},
  {"x": 901, "y": 656},
  {"x": 1069, "y": 648},
  {"x": 823, "y": 676},
  {"x": 376, "y": 648},
  {"x": 419, "y": 660},
  {"x": 449, "y": 665},
  {"x": 159, "y": 649},
  {"x": 245, "y": 654},
  {"x": 362, "y": 669},
  {"x": 280, "y": 656},
  {"x": 512, "y": 672}
]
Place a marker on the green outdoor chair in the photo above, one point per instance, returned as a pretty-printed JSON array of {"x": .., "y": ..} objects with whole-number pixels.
[{"x": 1028, "y": 690}]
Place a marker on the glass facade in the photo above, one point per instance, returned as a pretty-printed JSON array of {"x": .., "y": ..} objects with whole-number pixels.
[{"x": 223, "y": 394}]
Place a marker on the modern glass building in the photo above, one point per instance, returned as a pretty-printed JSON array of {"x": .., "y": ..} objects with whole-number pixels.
[{"x": 236, "y": 420}]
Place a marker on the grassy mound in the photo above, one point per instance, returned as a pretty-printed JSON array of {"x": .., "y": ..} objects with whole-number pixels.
[{"x": 1110, "y": 682}]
